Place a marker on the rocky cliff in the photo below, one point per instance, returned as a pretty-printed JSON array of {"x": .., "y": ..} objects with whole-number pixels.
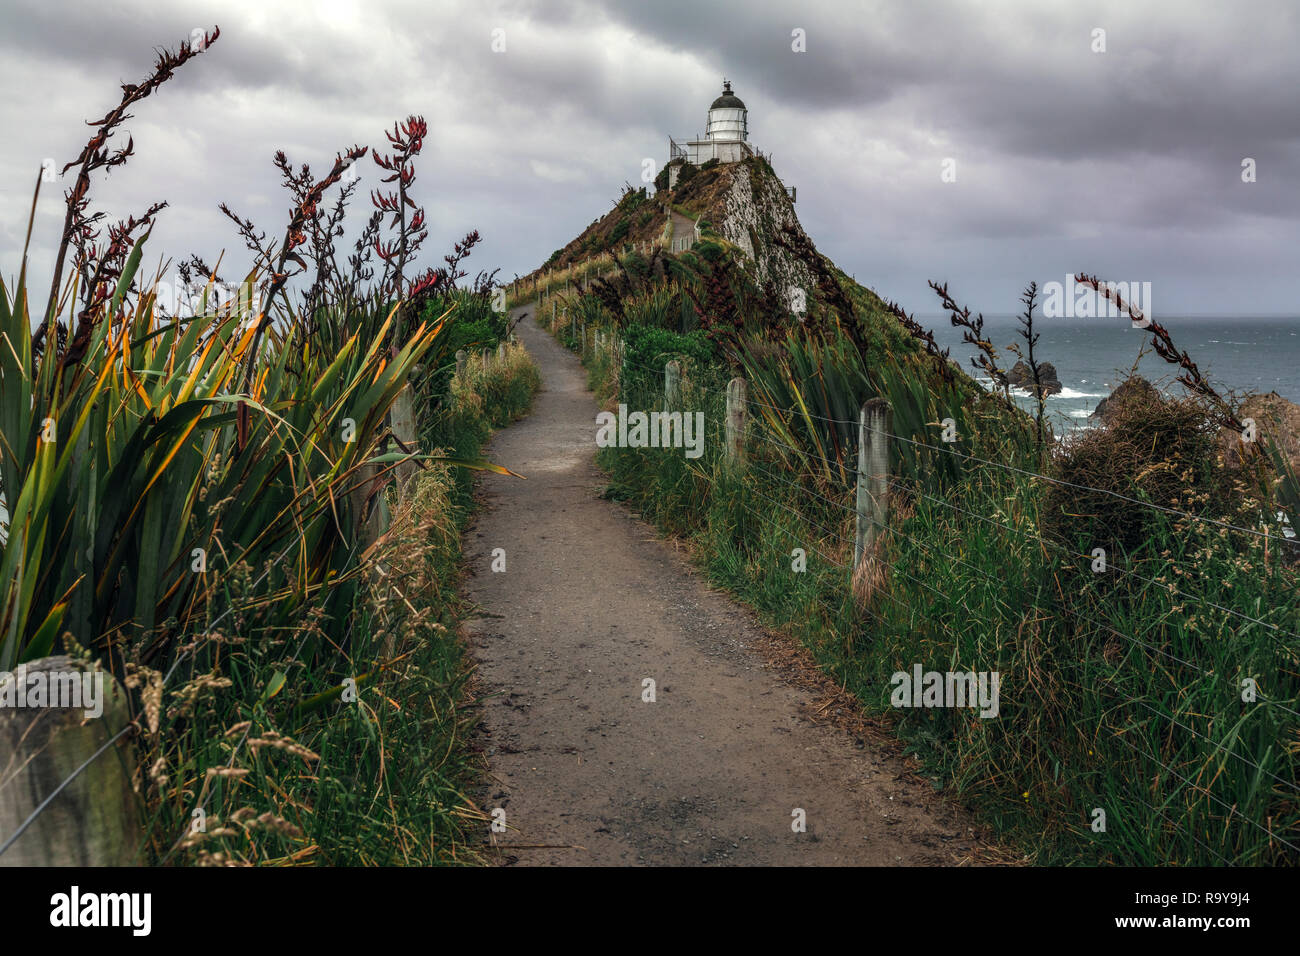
[
  {"x": 743, "y": 204},
  {"x": 751, "y": 211}
]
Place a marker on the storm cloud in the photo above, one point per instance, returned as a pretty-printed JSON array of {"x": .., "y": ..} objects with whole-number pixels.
[{"x": 1125, "y": 163}]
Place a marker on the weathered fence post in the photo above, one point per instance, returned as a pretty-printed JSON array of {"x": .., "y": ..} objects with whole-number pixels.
[
  {"x": 501, "y": 351},
  {"x": 460, "y": 362},
  {"x": 92, "y": 821},
  {"x": 402, "y": 418},
  {"x": 370, "y": 511},
  {"x": 672, "y": 385},
  {"x": 874, "y": 423},
  {"x": 552, "y": 313},
  {"x": 736, "y": 409}
]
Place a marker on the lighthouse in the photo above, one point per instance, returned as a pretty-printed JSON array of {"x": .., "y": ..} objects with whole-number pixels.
[
  {"x": 728, "y": 119},
  {"x": 726, "y": 136}
]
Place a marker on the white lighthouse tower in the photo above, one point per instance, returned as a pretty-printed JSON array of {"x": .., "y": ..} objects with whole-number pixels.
[
  {"x": 728, "y": 120},
  {"x": 726, "y": 136}
]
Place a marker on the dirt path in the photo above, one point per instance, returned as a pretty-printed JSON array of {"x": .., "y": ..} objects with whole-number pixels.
[
  {"x": 591, "y": 603},
  {"x": 683, "y": 228}
]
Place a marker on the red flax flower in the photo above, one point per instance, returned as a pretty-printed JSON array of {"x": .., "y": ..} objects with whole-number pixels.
[
  {"x": 97, "y": 155},
  {"x": 294, "y": 236},
  {"x": 406, "y": 140}
]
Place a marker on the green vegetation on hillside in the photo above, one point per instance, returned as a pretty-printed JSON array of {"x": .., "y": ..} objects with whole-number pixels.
[
  {"x": 1147, "y": 706},
  {"x": 195, "y": 499}
]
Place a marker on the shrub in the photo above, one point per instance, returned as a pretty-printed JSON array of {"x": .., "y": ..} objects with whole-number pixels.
[
  {"x": 503, "y": 387},
  {"x": 1154, "y": 449},
  {"x": 632, "y": 200},
  {"x": 646, "y": 349},
  {"x": 708, "y": 250},
  {"x": 635, "y": 265}
]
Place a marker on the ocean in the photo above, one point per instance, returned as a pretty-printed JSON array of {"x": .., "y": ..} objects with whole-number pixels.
[{"x": 1092, "y": 356}]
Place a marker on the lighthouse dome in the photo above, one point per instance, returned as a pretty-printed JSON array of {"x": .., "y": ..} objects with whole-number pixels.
[
  {"x": 728, "y": 99},
  {"x": 728, "y": 117}
]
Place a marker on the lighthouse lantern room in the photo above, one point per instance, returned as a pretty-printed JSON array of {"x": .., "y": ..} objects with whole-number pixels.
[{"x": 726, "y": 136}]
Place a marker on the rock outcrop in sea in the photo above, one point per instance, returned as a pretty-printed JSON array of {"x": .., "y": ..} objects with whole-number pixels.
[{"x": 1021, "y": 376}]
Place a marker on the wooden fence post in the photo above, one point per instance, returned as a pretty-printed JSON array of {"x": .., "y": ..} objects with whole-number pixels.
[
  {"x": 736, "y": 418},
  {"x": 672, "y": 385},
  {"x": 461, "y": 355},
  {"x": 370, "y": 523},
  {"x": 402, "y": 417},
  {"x": 874, "y": 423},
  {"x": 93, "y": 820}
]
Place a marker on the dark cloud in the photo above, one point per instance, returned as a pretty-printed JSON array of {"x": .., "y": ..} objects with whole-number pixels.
[{"x": 1125, "y": 162}]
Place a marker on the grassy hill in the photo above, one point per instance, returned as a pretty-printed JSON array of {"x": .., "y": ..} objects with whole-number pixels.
[{"x": 1121, "y": 683}]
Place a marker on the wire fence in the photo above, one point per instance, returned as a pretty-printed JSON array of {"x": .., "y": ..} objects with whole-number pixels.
[
  {"x": 806, "y": 499},
  {"x": 801, "y": 501},
  {"x": 185, "y": 653},
  {"x": 815, "y": 506}
]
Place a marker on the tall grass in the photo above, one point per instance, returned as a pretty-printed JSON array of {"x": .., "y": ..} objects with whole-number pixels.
[
  {"x": 387, "y": 780},
  {"x": 130, "y": 488},
  {"x": 1121, "y": 692},
  {"x": 547, "y": 284},
  {"x": 497, "y": 384},
  {"x": 192, "y": 501}
]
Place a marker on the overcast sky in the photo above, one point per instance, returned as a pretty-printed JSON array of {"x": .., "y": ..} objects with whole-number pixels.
[{"x": 1126, "y": 163}]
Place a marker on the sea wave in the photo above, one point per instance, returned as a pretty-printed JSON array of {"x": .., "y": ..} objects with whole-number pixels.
[{"x": 1066, "y": 393}]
